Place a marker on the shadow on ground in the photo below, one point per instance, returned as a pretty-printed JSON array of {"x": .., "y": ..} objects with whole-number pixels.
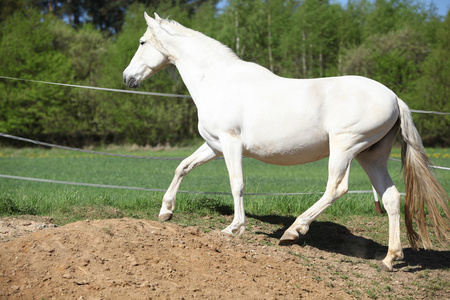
[{"x": 333, "y": 237}]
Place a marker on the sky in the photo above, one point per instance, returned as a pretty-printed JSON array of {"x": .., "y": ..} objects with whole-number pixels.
[{"x": 442, "y": 5}]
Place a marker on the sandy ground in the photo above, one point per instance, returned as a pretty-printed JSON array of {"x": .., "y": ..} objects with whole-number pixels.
[{"x": 141, "y": 259}]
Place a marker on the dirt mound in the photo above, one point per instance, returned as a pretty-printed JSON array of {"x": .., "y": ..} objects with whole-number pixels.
[
  {"x": 12, "y": 228},
  {"x": 140, "y": 259}
]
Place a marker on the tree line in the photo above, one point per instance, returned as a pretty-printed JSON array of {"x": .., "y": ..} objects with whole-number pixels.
[{"x": 401, "y": 43}]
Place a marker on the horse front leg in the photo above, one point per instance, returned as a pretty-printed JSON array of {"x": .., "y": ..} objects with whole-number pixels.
[
  {"x": 232, "y": 151},
  {"x": 199, "y": 157}
]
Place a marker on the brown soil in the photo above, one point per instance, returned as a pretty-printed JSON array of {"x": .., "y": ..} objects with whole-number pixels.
[{"x": 141, "y": 259}]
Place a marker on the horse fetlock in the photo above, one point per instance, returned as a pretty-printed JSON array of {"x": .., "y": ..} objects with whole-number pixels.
[
  {"x": 168, "y": 203},
  {"x": 387, "y": 263},
  {"x": 302, "y": 228},
  {"x": 395, "y": 254}
]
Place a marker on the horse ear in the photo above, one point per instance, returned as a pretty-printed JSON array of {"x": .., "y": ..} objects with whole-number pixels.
[
  {"x": 157, "y": 17},
  {"x": 150, "y": 22}
]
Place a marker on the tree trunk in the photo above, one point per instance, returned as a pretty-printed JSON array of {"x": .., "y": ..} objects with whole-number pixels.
[
  {"x": 269, "y": 37},
  {"x": 236, "y": 24}
]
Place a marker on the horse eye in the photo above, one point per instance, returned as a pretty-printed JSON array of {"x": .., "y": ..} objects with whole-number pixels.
[{"x": 142, "y": 42}]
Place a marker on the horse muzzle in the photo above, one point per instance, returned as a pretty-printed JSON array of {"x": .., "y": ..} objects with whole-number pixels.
[{"x": 131, "y": 81}]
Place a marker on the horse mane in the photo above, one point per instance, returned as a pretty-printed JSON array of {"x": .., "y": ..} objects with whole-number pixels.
[{"x": 206, "y": 41}]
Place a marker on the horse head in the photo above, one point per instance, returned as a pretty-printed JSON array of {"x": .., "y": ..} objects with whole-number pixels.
[{"x": 149, "y": 58}]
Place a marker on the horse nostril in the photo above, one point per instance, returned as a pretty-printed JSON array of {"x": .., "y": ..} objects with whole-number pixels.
[{"x": 132, "y": 82}]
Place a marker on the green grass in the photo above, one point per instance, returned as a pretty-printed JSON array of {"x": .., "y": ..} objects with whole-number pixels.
[{"x": 66, "y": 203}]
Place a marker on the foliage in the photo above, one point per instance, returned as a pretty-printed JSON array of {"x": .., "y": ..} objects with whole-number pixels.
[
  {"x": 432, "y": 89},
  {"x": 392, "y": 59},
  {"x": 400, "y": 43},
  {"x": 28, "y": 51}
]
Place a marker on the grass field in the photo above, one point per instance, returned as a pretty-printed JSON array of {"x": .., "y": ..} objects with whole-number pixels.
[{"x": 67, "y": 203}]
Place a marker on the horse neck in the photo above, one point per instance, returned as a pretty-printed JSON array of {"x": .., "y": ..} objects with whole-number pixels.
[{"x": 197, "y": 57}]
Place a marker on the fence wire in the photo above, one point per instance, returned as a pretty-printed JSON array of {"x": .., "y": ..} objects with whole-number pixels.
[
  {"x": 100, "y": 88},
  {"x": 18, "y": 138},
  {"x": 159, "y": 190},
  {"x": 145, "y": 157},
  {"x": 158, "y": 94},
  {"x": 125, "y": 155},
  {"x": 148, "y": 189}
]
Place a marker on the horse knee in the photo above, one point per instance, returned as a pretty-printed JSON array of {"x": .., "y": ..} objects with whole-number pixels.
[
  {"x": 341, "y": 190},
  {"x": 181, "y": 171},
  {"x": 338, "y": 191}
]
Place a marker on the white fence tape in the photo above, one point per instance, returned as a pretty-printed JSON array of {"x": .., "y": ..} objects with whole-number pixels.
[
  {"x": 147, "y": 189},
  {"x": 100, "y": 88},
  {"x": 18, "y": 138},
  {"x": 160, "y": 94},
  {"x": 160, "y": 190},
  {"x": 435, "y": 167},
  {"x": 429, "y": 112}
]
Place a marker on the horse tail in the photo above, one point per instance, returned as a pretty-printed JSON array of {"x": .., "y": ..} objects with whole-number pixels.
[{"x": 422, "y": 188}]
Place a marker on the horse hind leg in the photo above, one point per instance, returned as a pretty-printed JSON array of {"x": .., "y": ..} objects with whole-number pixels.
[
  {"x": 337, "y": 186},
  {"x": 374, "y": 163}
]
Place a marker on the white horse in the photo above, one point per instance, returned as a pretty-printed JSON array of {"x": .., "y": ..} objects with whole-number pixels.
[{"x": 244, "y": 109}]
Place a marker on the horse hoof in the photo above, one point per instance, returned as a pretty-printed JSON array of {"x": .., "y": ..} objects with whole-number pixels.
[
  {"x": 384, "y": 267},
  {"x": 165, "y": 217},
  {"x": 289, "y": 238},
  {"x": 226, "y": 231},
  {"x": 234, "y": 231}
]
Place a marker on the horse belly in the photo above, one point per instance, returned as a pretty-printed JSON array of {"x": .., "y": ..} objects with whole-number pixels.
[{"x": 296, "y": 150}]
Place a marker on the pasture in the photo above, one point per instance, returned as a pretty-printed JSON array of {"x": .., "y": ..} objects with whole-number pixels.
[
  {"x": 340, "y": 253},
  {"x": 59, "y": 201}
]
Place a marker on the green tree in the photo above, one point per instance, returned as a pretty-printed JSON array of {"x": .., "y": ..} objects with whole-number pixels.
[
  {"x": 392, "y": 15},
  {"x": 9, "y": 7},
  {"x": 311, "y": 41},
  {"x": 393, "y": 58},
  {"x": 432, "y": 90},
  {"x": 28, "y": 51}
]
